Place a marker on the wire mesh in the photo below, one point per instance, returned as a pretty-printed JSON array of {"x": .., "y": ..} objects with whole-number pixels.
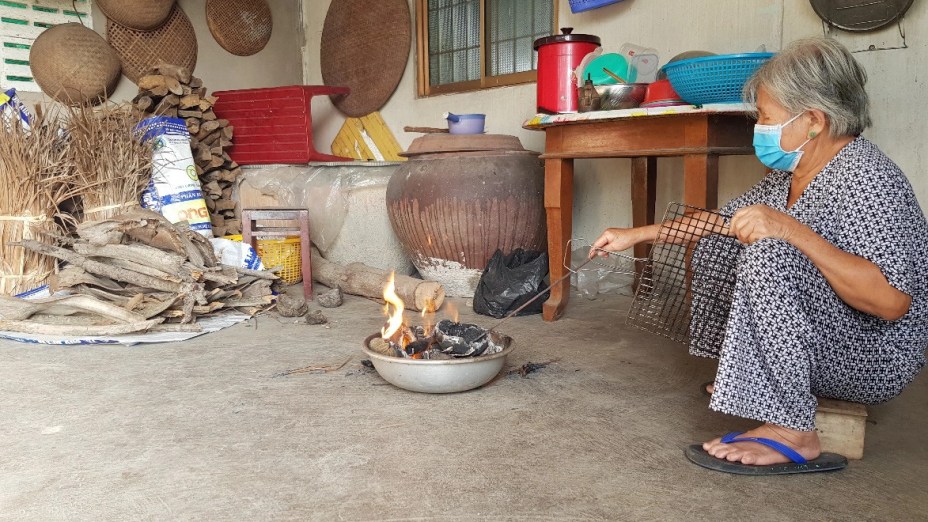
[
  {"x": 609, "y": 272},
  {"x": 685, "y": 288}
]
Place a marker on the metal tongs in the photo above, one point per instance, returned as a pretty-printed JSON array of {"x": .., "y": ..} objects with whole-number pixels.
[{"x": 570, "y": 272}]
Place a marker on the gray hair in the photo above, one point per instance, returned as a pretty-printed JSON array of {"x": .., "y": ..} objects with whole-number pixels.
[{"x": 816, "y": 73}]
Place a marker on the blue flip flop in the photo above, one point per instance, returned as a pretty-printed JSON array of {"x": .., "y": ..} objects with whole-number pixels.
[{"x": 824, "y": 462}]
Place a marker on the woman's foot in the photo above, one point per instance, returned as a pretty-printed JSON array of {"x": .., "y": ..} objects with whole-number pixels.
[
  {"x": 805, "y": 443},
  {"x": 710, "y": 387}
]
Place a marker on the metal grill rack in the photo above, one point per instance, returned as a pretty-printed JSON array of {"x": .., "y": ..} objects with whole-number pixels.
[{"x": 690, "y": 273}]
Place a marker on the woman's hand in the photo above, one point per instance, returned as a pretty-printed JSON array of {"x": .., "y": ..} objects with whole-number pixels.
[
  {"x": 757, "y": 222},
  {"x": 613, "y": 240}
]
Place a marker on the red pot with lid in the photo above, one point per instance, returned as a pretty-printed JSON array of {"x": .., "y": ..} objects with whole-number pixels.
[{"x": 558, "y": 57}]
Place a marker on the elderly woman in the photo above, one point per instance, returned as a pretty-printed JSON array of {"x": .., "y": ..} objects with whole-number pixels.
[{"x": 831, "y": 292}]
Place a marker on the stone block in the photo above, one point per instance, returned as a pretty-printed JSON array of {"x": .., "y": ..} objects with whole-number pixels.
[{"x": 840, "y": 426}]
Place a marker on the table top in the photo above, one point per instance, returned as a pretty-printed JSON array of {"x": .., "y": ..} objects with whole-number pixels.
[{"x": 542, "y": 121}]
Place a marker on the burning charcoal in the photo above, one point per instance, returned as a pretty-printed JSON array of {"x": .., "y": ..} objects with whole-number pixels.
[
  {"x": 457, "y": 339},
  {"x": 436, "y": 355},
  {"x": 418, "y": 346},
  {"x": 462, "y": 349},
  {"x": 419, "y": 332}
]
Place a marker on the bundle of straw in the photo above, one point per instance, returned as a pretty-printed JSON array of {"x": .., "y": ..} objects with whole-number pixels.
[
  {"x": 35, "y": 177},
  {"x": 112, "y": 164}
]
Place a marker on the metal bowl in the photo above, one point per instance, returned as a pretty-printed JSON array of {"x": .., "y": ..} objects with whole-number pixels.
[
  {"x": 447, "y": 376},
  {"x": 621, "y": 95}
]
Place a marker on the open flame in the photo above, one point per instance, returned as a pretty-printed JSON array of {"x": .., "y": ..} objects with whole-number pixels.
[
  {"x": 394, "y": 317},
  {"x": 451, "y": 312},
  {"x": 428, "y": 317}
]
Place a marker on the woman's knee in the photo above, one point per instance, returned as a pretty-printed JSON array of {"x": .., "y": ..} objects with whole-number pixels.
[
  {"x": 769, "y": 253},
  {"x": 770, "y": 259}
]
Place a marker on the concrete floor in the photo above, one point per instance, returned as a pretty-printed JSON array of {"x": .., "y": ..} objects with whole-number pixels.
[{"x": 204, "y": 430}]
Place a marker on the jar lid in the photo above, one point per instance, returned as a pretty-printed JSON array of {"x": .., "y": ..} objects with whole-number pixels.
[
  {"x": 566, "y": 36},
  {"x": 442, "y": 143}
]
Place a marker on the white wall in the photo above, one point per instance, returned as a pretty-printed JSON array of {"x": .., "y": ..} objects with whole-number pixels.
[
  {"x": 275, "y": 65},
  {"x": 897, "y": 82},
  {"x": 279, "y": 63}
]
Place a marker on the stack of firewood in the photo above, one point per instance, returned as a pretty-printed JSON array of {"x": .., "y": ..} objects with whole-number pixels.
[
  {"x": 172, "y": 91},
  {"x": 136, "y": 272}
]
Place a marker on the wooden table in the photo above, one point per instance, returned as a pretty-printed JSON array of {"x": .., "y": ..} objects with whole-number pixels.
[{"x": 700, "y": 136}]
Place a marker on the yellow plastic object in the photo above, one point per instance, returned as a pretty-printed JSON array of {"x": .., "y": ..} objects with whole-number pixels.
[
  {"x": 284, "y": 253},
  {"x": 367, "y": 138}
]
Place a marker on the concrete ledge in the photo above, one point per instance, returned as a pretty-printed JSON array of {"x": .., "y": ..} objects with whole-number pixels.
[{"x": 840, "y": 426}]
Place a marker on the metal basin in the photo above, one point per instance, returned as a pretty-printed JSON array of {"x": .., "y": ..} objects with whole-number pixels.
[
  {"x": 448, "y": 376},
  {"x": 621, "y": 95}
]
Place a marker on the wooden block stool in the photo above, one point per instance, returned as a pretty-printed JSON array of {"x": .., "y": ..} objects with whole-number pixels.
[
  {"x": 253, "y": 229},
  {"x": 840, "y": 426}
]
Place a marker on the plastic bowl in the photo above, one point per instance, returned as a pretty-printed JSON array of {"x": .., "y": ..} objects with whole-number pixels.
[
  {"x": 616, "y": 63},
  {"x": 621, "y": 95},
  {"x": 466, "y": 123},
  {"x": 659, "y": 92},
  {"x": 434, "y": 376}
]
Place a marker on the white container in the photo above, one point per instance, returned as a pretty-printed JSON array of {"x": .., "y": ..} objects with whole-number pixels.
[
  {"x": 466, "y": 123},
  {"x": 440, "y": 376}
]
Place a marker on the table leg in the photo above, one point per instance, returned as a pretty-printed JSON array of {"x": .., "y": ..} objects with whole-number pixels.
[
  {"x": 701, "y": 180},
  {"x": 644, "y": 190},
  {"x": 559, "y": 206},
  {"x": 700, "y": 189}
]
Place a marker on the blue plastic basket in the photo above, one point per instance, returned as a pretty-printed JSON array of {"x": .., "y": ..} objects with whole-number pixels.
[
  {"x": 578, "y": 6},
  {"x": 713, "y": 79}
]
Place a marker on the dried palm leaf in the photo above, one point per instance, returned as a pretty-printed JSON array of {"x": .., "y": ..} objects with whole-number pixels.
[
  {"x": 112, "y": 165},
  {"x": 35, "y": 175}
]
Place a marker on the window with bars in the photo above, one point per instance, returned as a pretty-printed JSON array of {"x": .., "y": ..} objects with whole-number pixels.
[
  {"x": 21, "y": 21},
  {"x": 473, "y": 44}
]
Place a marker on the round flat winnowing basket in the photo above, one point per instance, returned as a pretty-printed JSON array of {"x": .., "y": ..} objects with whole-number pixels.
[
  {"x": 73, "y": 64},
  {"x": 242, "y": 27},
  {"x": 175, "y": 43},
  {"x": 144, "y": 15},
  {"x": 365, "y": 46}
]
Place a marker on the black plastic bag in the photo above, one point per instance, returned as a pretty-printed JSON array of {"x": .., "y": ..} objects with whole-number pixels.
[{"x": 510, "y": 281}]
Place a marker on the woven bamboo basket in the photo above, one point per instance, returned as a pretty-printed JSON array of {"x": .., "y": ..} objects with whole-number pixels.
[
  {"x": 73, "y": 64},
  {"x": 242, "y": 27},
  {"x": 365, "y": 46},
  {"x": 175, "y": 43},
  {"x": 144, "y": 15}
]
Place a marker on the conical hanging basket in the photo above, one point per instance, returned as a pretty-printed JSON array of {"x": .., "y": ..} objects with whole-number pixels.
[
  {"x": 242, "y": 27},
  {"x": 73, "y": 64},
  {"x": 175, "y": 43},
  {"x": 143, "y": 15}
]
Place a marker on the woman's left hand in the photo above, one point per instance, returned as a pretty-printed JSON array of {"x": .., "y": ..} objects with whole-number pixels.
[{"x": 757, "y": 222}]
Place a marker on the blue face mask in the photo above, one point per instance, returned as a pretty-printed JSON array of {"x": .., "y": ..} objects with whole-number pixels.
[{"x": 769, "y": 151}]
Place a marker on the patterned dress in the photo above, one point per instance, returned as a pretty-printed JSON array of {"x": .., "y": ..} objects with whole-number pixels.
[{"x": 788, "y": 337}]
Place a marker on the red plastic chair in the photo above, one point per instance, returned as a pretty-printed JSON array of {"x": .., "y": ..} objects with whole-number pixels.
[{"x": 275, "y": 124}]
